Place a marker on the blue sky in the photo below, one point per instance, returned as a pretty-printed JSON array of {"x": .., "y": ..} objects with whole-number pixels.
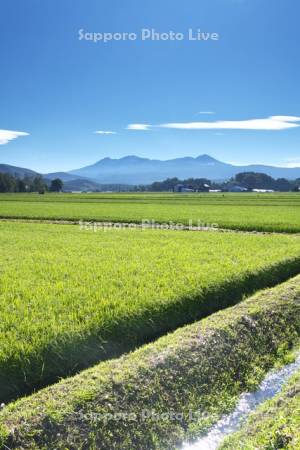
[{"x": 59, "y": 90}]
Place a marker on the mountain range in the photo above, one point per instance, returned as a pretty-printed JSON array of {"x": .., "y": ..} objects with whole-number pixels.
[
  {"x": 136, "y": 170},
  {"x": 133, "y": 170}
]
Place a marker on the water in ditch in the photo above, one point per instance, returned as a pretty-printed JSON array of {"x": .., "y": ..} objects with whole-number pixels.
[{"x": 248, "y": 402}]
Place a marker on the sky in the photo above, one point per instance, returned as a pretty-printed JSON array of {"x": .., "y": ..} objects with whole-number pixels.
[{"x": 69, "y": 99}]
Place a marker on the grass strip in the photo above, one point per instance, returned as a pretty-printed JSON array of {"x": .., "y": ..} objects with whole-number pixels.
[
  {"x": 275, "y": 425},
  {"x": 70, "y": 298},
  {"x": 196, "y": 373}
]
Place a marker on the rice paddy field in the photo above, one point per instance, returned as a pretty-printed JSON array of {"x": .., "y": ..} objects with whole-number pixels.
[
  {"x": 196, "y": 373},
  {"x": 261, "y": 212},
  {"x": 72, "y": 299},
  {"x": 69, "y": 296}
]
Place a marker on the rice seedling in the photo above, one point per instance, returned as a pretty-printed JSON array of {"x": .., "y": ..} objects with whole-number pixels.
[{"x": 69, "y": 297}]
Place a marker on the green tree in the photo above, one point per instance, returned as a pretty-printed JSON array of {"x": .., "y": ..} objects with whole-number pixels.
[
  {"x": 21, "y": 186},
  {"x": 7, "y": 183},
  {"x": 56, "y": 185},
  {"x": 38, "y": 185}
]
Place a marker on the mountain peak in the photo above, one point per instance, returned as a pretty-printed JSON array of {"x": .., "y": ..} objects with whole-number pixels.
[
  {"x": 132, "y": 158},
  {"x": 205, "y": 159},
  {"x": 107, "y": 158}
]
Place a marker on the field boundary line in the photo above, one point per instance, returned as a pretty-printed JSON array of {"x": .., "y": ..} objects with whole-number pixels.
[{"x": 138, "y": 225}]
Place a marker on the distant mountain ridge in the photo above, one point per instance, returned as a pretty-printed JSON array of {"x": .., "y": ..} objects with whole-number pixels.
[
  {"x": 64, "y": 176},
  {"x": 17, "y": 171},
  {"x": 136, "y": 170}
]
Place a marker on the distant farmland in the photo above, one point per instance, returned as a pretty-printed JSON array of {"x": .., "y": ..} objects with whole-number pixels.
[{"x": 248, "y": 212}]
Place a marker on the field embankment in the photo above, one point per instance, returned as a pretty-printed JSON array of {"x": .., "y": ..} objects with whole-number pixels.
[
  {"x": 249, "y": 212},
  {"x": 275, "y": 425},
  {"x": 167, "y": 391},
  {"x": 70, "y": 298}
]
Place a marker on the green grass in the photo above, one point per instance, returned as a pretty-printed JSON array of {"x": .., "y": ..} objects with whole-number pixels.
[
  {"x": 197, "y": 372},
  {"x": 264, "y": 212},
  {"x": 275, "y": 425},
  {"x": 69, "y": 298}
]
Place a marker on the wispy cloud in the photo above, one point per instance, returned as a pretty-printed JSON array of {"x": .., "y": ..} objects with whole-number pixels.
[
  {"x": 206, "y": 112},
  {"x": 291, "y": 165},
  {"x": 8, "y": 135},
  {"x": 105, "y": 132},
  {"x": 138, "y": 127},
  {"x": 292, "y": 162},
  {"x": 270, "y": 123},
  {"x": 295, "y": 159}
]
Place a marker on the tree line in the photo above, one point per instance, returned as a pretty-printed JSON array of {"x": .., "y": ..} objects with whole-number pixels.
[
  {"x": 13, "y": 183},
  {"x": 247, "y": 180}
]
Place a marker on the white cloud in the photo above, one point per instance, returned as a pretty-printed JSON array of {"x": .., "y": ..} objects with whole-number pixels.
[
  {"x": 291, "y": 162},
  {"x": 270, "y": 123},
  {"x": 296, "y": 158},
  {"x": 206, "y": 112},
  {"x": 8, "y": 135},
  {"x": 138, "y": 127},
  {"x": 105, "y": 132},
  {"x": 291, "y": 165},
  {"x": 286, "y": 118}
]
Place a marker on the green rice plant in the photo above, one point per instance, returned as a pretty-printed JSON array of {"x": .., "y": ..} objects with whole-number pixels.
[
  {"x": 168, "y": 391},
  {"x": 267, "y": 212},
  {"x": 71, "y": 297}
]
